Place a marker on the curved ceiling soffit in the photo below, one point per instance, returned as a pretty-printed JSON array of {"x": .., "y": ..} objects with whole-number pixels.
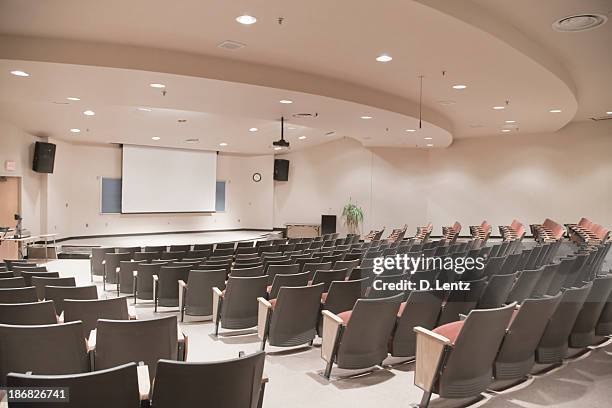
[
  {"x": 197, "y": 65},
  {"x": 478, "y": 17}
]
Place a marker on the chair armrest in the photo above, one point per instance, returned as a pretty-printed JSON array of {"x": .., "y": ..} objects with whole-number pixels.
[
  {"x": 155, "y": 283},
  {"x": 144, "y": 381},
  {"x": 183, "y": 342},
  {"x": 263, "y": 315},
  {"x": 132, "y": 315},
  {"x": 217, "y": 296},
  {"x": 134, "y": 273},
  {"x": 430, "y": 349},
  {"x": 60, "y": 318},
  {"x": 332, "y": 325},
  {"x": 182, "y": 290},
  {"x": 91, "y": 341}
]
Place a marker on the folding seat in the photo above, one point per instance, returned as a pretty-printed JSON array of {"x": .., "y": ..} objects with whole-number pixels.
[
  {"x": 198, "y": 254},
  {"x": 292, "y": 253},
  {"x": 126, "y": 274},
  {"x": 510, "y": 264},
  {"x": 279, "y": 241},
  {"x": 97, "y": 260},
  {"x": 166, "y": 286},
  {"x": 461, "y": 302},
  {"x": 179, "y": 248},
  {"x": 315, "y": 244},
  {"x": 553, "y": 345},
  {"x": 146, "y": 256},
  {"x": 90, "y": 311},
  {"x": 245, "y": 244},
  {"x": 311, "y": 268},
  {"x": 111, "y": 267},
  {"x": 563, "y": 267},
  {"x": 88, "y": 389},
  {"x": 301, "y": 246},
  {"x": 129, "y": 250},
  {"x": 583, "y": 332},
  {"x": 172, "y": 255},
  {"x": 286, "y": 248},
  {"x": 427, "y": 279},
  {"x": 4, "y": 269},
  {"x": 247, "y": 263},
  {"x": 59, "y": 293},
  {"x": 28, "y": 275},
  {"x": 158, "y": 248},
  {"x": 573, "y": 275},
  {"x": 533, "y": 257},
  {"x": 236, "y": 383},
  {"x": 516, "y": 356},
  {"x": 119, "y": 342},
  {"x": 223, "y": 251},
  {"x": 524, "y": 285},
  {"x": 263, "y": 243},
  {"x": 18, "y": 295},
  {"x": 247, "y": 272},
  {"x": 329, "y": 276},
  {"x": 7, "y": 283},
  {"x": 39, "y": 282},
  {"x": 421, "y": 309},
  {"x": 604, "y": 323},
  {"x": 546, "y": 277},
  {"x": 290, "y": 319},
  {"x": 143, "y": 284},
  {"x": 348, "y": 265},
  {"x": 195, "y": 295},
  {"x": 342, "y": 295},
  {"x": 227, "y": 267},
  {"x": 361, "y": 273},
  {"x": 386, "y": 286},
  {"x": 285, "y": 269},
  {"x": 452, "y": 361},
  {"x": 42, "y": 349},
  {"x": 277, "y": 262},
  {"x": 6, "y": 274},
  {"x": 240, "y": 257},
  {"x": 290, "y": 281},
  {"x": 358, "y": 338},
  {"x": 497, "y": 291},
  {"x": 353, "y": 256},
  {"x": 332, "y": 258},
  {"x": 236, "y": 307},
  {"x": 245, "y": 250},
  {"x": 35, "y": 313},
  {"x": 11, "y": 264}
]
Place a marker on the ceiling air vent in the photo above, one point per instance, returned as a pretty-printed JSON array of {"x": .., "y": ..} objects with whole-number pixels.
[
  {"x": 579, "y": 22},
  {"x": 231, "y": 45},
  {"x": 598, "y": 118},
  {"x": 305, "y": 115}
]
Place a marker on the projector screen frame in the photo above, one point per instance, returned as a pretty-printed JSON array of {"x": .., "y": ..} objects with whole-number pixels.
[{"x": 122, "y": 145}]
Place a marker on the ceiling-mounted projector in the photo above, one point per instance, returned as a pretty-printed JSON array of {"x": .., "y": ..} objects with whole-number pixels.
[{"x": 281, "y": 142}]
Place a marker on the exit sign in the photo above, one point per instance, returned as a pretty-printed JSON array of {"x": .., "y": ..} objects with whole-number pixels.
[{"x": 10, "y": 165}]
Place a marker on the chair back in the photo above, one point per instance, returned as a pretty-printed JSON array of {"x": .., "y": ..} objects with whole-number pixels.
[
  {"x": 168, "y": 284},
  {"x": 240, "y": 307},
  {"x": 18, "y": 295},
  {"x": 39, "y": 282},
  {"x": 89, "y": 311},
  {"x": 8, "y": 283},
  {"x": 199, "y": 293},
  {"x": 35, "y": 313},
  {"x": 59, "y": 293}
]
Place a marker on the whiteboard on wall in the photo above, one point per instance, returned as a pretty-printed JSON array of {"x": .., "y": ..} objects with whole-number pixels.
[{"x": 163, "y": 180}]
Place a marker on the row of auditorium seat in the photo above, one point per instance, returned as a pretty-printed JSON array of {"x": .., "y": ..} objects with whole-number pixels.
[{"x": 587, "y": 232}]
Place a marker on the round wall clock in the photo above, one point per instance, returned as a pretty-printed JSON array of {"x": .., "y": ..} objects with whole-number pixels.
[{"x": 256, "y": 177}]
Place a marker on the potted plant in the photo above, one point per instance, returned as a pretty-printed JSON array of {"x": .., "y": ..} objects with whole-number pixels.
[{"x": 353, "y": 216}]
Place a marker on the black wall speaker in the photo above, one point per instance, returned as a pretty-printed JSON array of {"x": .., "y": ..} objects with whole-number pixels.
[
  {"x": 44, "y": 157},
  {"x": 281, "y": 170},
  {"x": 328, "y": 224}
]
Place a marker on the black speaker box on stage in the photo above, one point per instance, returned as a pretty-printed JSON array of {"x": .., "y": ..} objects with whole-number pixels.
[
  {"x": 328, "y": 224},
  {"x": 44, "y": 157}
]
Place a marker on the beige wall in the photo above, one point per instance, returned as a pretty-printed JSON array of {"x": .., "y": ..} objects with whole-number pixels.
[
  {"x": 18, "y": 146},
  {"x": 564, "y": 176}
]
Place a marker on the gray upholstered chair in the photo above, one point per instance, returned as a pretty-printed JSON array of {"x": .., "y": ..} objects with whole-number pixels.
[
  {"x": 19, "y": 268},
  {"x": 28, "y": 313},
  {"x": 156, "y": 248},
  {"x": 583, "y": 332},
  {"x": 236, "y": 383},
  {"x": 290, "y": 319},
  {"x": 42, "y": 349},
  {"x": 290, "y": 280},
  {"x": 28, "y": 275},
  {"x": 123, "y": 341},
  {"x": 329, "y": 276},
  {"x": 111, "y": 266},
  {"x": 524, "y": 285},
  {"x": 181, "y": 248},
  {"x": 358, "y": 338},
  {"x": 497, "y": 291},
  {"x": 311, "y": 268},
  {"x": 128, "y": 270},
  {"x": 59, "y": 293},
  {"x": 166, "y": 285},
  {"x": 143, "y": 284},
  {"x": 39, "y": 282},
  {"x": 91, "y": 390},
  {"x": 146, "y": 256},
  {"x": 195, "y": 294},
  {"x": 18, "y": 295},
  {"x": 516, "y": 356},
  {"x": 246, "y": 272},
  {"x": 6, "y": 274},
  {"x": 453, "y": 361},
  {"x": 89, "y": 311},
  {"x": 461, "y": 302},
  {"x": 236, "y": 307},
  {"x": 273, "y": 269}
]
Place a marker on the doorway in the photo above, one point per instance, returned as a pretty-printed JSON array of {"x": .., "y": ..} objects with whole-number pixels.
[{"x": 9, "y": 200}]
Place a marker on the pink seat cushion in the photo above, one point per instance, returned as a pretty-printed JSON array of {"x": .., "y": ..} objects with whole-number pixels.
[
  {"x": 450, "y": 330},
  {"x": 345, "y": 316},
  {"x": 269, "y": 289}
]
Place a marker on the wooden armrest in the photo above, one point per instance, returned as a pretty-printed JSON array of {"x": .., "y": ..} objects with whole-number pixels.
[
  {"x": 60, "y": 318},
  {"x": 265, "y": 379},
  {"x": 263, "y": 314},
  {"x": 217, "y": 297},
  {"x": 332, "y": 325},
  {"x": 91, "y": 341},
  {"x": 155, "y": 278},
  {"x": 132, "y": 313},
  {"x": 181, "y": 294},
  {"x": 429, "y": 353},
  {"x": 144, "y": 382},
  {"x": 183, "y": 343},
  {"x": 135, "y": 274}
]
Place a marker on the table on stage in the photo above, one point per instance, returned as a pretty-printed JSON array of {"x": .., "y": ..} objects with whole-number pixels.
[{"x": 14, "y": 248}]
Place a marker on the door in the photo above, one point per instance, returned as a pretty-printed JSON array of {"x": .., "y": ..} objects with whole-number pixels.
[{"x": 9, "y": 200}]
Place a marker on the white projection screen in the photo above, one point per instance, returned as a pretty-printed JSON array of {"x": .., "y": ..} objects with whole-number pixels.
[{"x": 161, "y": 180}]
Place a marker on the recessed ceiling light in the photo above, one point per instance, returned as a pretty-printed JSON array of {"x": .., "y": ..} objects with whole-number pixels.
[
  {"x": 156, "y": 138},
  {"x": 277, "y": 148},
  {"x": 555, "y": 111},
  {"x": 182, "y": 120},
  {"x": 384, "y": 58},
  {"x": 499, "y": 107},
  {"x": 609, "y": 113},
  {"x": 75, "y": 130},
  {"x": 428, "y": 138},
  {"x": 459, "y": 86},
  {"x": 157, "y": 85},
  {"x": 145, "y": 109},
  {"x": 89, "y": 113},
  {"x": 505, "y": 130},
  {"x": 20, "y": 73},
  {"x": 291, "y": 128},
  {"x": 253, "y": 129},
  {"x": 511, "y": 121},
  {"x": 366, "y": 117},
  {"x": 246, "y": 19},
  {"x": 222, "y": 144},
  {"x": 429, "y": 145},
  {"x": 410, "y": 130},
  {"x": 73, "y": 98},
  {"x": 285, "y": 101},
  {"x": 302, "y": 137}
]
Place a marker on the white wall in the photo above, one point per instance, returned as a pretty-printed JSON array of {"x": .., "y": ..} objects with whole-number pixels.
[
  {"x": 18, "y": 146},
  {"x": 564, "y": 176},
  {"x": 74, "y": 195}
]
